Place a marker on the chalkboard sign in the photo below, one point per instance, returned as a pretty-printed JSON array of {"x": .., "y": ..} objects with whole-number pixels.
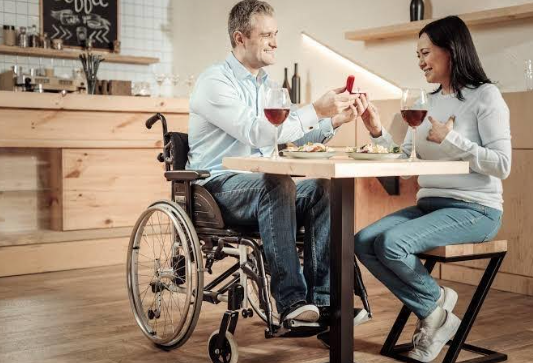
[{"x": 75, "y": 21}]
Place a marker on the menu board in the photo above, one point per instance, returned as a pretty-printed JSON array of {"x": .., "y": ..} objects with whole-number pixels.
[{"x": 75, "y": 21}]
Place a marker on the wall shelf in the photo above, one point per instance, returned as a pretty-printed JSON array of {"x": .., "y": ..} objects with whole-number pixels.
[
  {"x": 74, "y": 54},
  {"x": 473, "y": 19}
]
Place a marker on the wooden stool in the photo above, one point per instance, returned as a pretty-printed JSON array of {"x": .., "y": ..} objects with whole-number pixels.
[{"x": 495, "y": 251}]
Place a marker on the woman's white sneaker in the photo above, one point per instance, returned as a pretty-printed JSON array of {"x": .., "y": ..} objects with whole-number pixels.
[
  {"x": 428, "y": 342},
  {"x": 448, "y": 298}
]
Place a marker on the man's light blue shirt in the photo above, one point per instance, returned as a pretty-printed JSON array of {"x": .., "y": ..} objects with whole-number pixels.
[{"x": 226, "y": 118}]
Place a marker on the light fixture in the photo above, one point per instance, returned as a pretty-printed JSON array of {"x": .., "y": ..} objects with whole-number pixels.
[{"x": 388, "y": 85}]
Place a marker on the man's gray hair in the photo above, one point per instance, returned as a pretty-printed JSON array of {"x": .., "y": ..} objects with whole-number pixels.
[{"x": 241, "y": 14}]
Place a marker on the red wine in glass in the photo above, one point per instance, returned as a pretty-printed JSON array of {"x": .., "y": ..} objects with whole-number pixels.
[
  {"x": 414, "y": 118},
  {"x": 413, "y": 107},
  {"x": 276, "y": 116},
  {"x": 277, "y": 108}
]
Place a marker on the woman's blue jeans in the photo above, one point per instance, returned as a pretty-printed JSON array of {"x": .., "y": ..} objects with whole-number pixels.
[
  {"x": 277, "y": 206},
  {"x": 388, "y": 247}
]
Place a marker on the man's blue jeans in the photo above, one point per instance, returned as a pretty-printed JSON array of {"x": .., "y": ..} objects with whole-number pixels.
[
  {"x": 278, "y": 205},
  {"x": 388, "y": 247}
]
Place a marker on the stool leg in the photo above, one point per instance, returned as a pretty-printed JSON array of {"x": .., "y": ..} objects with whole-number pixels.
[
  {"x": 401, "y": 320},
  {"x": 473, "y": 309}
]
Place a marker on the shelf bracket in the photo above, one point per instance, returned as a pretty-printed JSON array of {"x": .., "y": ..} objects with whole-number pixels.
[{"x": 391, "y": 184}]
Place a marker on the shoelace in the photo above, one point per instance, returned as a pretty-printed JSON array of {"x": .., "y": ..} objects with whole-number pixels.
[{"x": 421, "y": 338}]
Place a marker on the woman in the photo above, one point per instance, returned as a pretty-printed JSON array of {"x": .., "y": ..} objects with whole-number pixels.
[{"x": 467, "y": 120}]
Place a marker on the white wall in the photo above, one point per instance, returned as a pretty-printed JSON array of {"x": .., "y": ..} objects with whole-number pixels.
[
  {"x": 144, "y": 31},
  {"x": 200, "y": 39}
]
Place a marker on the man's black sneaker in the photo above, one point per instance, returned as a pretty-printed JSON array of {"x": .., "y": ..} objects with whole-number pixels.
[
  {"x": 360, "y": 316},
  {"x": 301, "y": 311}
]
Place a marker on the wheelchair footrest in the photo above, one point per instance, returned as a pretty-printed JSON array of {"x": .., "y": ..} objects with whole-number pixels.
[{"x": 299, "y": 329}]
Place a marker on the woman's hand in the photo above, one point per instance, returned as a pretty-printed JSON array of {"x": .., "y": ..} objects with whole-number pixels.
[
  {"x": 369, "y": 115},
  {"x": 348, "y": 115},
  {"x": 439, "y": 130}
]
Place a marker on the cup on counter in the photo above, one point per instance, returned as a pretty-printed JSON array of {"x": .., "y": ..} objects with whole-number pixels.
[
  {"x": 528, "y": 73},
  {"x": 17, "y": 70}
]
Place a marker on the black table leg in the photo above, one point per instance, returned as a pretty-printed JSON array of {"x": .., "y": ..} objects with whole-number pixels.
[{"x": 342, "y": 271}]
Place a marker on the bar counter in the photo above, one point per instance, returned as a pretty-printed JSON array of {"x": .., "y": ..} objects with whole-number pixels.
[{"x": 76, "y": 172}]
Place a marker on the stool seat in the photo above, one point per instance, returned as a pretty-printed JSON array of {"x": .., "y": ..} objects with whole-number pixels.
[{"x": 469, "y": 249}]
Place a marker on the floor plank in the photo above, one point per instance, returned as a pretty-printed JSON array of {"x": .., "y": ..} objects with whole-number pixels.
[{"x": 83, "y": 316}]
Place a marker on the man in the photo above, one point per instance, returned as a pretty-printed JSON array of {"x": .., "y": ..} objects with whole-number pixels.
[{"x": 227, "y": 119}]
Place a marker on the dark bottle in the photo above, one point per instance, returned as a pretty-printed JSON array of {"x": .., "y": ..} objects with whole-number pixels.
[
  {"x": 417, "y": 10},
  {"x": 295, "y": 94},
  {"x": 286, "y": 83}
]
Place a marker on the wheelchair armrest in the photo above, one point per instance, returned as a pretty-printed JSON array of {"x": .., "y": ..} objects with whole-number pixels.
[{"x": 186, "y": 175}]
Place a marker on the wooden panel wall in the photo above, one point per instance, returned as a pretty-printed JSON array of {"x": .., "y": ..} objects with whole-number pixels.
[
  {"x": 105, "y": 188},
  {"x": 27, "y": 194},
  {"x": 27, "y": 259},
  {"x": 517, "y": 270}
]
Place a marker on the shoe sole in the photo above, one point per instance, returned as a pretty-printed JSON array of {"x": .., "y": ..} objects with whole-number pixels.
[
  {"x": 308, "y": 315},
  {"x": 361, "y": 317}
]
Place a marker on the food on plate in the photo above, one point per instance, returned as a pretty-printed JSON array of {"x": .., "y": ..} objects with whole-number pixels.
[
  {"x": 310, "y": 148},
  {"x": 373, "y": 149}
]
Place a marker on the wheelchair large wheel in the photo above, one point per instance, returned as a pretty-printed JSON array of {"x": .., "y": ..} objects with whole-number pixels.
[
  {"x": 165, "y": 274},
  {"x": 253, "y": 297}
]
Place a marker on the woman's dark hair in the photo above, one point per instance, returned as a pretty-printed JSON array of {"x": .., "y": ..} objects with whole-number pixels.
[{"x": 452, "y": 34}]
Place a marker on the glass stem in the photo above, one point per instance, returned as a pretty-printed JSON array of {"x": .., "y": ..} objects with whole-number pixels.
[
  {"x": 413, "y": 151},
  {"x": 276, "y": 151}
]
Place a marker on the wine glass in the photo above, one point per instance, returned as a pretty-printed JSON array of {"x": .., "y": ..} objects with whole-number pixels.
[
  {"x": 175, "y": 79},
  {"x": 277, "y": 108},
  {"x": 159, "y": 77},
  {"x": 190, "y": 83},
  {"x": 414, "y": 107}
]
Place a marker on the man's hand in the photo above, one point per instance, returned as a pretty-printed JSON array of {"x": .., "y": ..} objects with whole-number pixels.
[
  {"x": 334, "y": 102},
  {"x": 439, "y": 131},
  {"x": 369, "y": 115},
  {"x": 348, "y": 115}
]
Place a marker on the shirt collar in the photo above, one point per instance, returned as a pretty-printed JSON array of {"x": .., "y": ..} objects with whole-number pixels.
[{"x": 241, "y": 72}]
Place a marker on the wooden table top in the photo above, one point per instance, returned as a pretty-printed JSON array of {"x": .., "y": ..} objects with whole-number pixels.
[{"x": 344, "y": 167}]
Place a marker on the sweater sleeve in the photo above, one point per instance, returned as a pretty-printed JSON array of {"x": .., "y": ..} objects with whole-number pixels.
[{"x": 493, "y": 156}]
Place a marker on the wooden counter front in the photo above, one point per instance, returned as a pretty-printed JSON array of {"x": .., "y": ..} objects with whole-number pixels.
[{"x": 80, "y": 162}]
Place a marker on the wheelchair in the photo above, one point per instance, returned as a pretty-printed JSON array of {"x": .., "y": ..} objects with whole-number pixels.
[{"x": 174, "y": 242}]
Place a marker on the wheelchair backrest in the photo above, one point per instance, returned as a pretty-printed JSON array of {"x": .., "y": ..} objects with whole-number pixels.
[
  {"x": 180, "y": 143},
  {"x": 206, "y": 212}
]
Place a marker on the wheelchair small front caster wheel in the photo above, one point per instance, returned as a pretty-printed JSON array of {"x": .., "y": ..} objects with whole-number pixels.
[
  {"x": 228, "y": 353},
  {"x": 247, "y": 313}
]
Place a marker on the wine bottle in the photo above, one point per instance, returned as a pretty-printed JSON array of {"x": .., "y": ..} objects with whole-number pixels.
[
  {"x": 417, "y": 10},
  {"x": 295, "y": 95},
  {"x": 286, "y": 83}
]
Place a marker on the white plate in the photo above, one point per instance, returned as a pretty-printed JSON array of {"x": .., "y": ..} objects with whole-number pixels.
[
  {"x": 308, "y": 155},
  {"x": 374, "y": 156}
]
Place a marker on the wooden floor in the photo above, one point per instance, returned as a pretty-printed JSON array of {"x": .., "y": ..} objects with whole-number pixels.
[{"x": 83, "y": 316}]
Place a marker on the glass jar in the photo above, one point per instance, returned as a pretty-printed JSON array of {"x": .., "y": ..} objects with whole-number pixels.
[
  {"x": 10, "y": 35},
  {"x": 45, "y": 41},
  {"x": 23, "y": 37}
]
